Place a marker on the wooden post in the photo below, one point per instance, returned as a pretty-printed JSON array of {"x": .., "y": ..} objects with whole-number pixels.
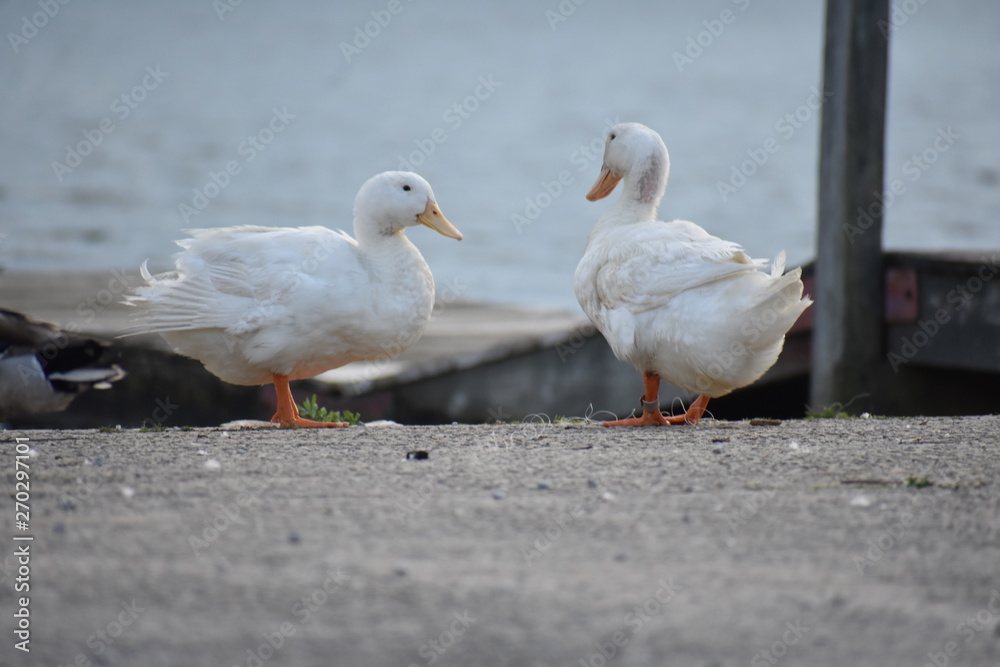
[{"x": 848, "y": 357}]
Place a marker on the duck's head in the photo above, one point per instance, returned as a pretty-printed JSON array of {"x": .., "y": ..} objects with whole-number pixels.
[
  {"x": 635, "y": 153},
  {"x": 394, "y": 200}
]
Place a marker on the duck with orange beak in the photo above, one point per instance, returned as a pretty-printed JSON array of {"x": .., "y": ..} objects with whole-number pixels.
[
  {"x": 268, "y": 305},
  {"x": 672, "y": 300}
]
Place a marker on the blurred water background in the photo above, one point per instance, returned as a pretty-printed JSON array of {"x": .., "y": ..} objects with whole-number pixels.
[{"x": 501, "y": 106}]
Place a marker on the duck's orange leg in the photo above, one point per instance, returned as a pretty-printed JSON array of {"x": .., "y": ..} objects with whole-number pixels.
[
  {"x": 288, "y": 413},
  {"x": 650, "y": 405},
  {"x": 693, "y": 414},
  {"x": 651, "y": 415}
]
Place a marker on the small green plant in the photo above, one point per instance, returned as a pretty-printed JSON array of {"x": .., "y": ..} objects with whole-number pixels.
[
  {"x": 560, "y": 419},
  {"x": 835, "y": 411},
  {"x": 110, "y": 429},
  {"x": 918, "y": 483},
  {"x": 311, "y": 410},
  {"x": 152, "y": 428}
]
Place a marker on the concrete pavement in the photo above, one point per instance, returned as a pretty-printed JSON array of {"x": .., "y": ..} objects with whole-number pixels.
[{"x": 826, "y": 542}]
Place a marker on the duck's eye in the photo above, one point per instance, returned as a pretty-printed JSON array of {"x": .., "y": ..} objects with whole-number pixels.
[
  {"x": 612, "y": 136},
  {"x": 406, "y": 188}
]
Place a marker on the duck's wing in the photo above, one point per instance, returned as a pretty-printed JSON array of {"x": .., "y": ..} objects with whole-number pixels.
[
  {"x": 661, "y": 260},
  {"x": 238, "y": 278}
]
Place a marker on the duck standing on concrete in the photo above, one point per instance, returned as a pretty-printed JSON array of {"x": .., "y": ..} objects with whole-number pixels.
[
  {"x": 671, "y": 299},
  {"x": 43, "y": 368},
  {"x": 262, "y": 305}
]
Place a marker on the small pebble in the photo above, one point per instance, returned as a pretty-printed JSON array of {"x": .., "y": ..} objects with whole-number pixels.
[
  {"x": 793, "y": 445},
  {"x": 544, "y": 485},
  {"x": 128, "y": 492},
  {"x": 98, "y": 461},
  {"x": 418, "y": 455},
  {"x": 213, "y": 464},
  {"x": 861, "y": 501},
  {"x": 294, "y": 538},
  {"x": 499, "y": 494}
]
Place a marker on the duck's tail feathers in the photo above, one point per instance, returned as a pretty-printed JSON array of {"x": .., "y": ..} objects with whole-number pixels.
[{"x": 778, "y": 265}]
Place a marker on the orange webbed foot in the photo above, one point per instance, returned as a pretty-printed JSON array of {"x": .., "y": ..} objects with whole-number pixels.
[
  {"x": 288, "y": 414},
  {"x": 300, "y": 422},
  {"x": 648, "y": 418},
  {"x": 651, "y": 415}
]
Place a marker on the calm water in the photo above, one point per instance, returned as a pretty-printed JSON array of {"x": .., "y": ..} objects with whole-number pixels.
[{"x": 493, "y": 104}]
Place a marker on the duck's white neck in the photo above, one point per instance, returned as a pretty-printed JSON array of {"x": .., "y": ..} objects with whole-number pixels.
[
  {"x": 381, "y": 236},
  {"x": 642, "y": 189}
]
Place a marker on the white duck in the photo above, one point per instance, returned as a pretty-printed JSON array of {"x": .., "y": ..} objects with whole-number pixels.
[
  {"x": 671, "y": 299},
  {"x": 260, "y": 305}
]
